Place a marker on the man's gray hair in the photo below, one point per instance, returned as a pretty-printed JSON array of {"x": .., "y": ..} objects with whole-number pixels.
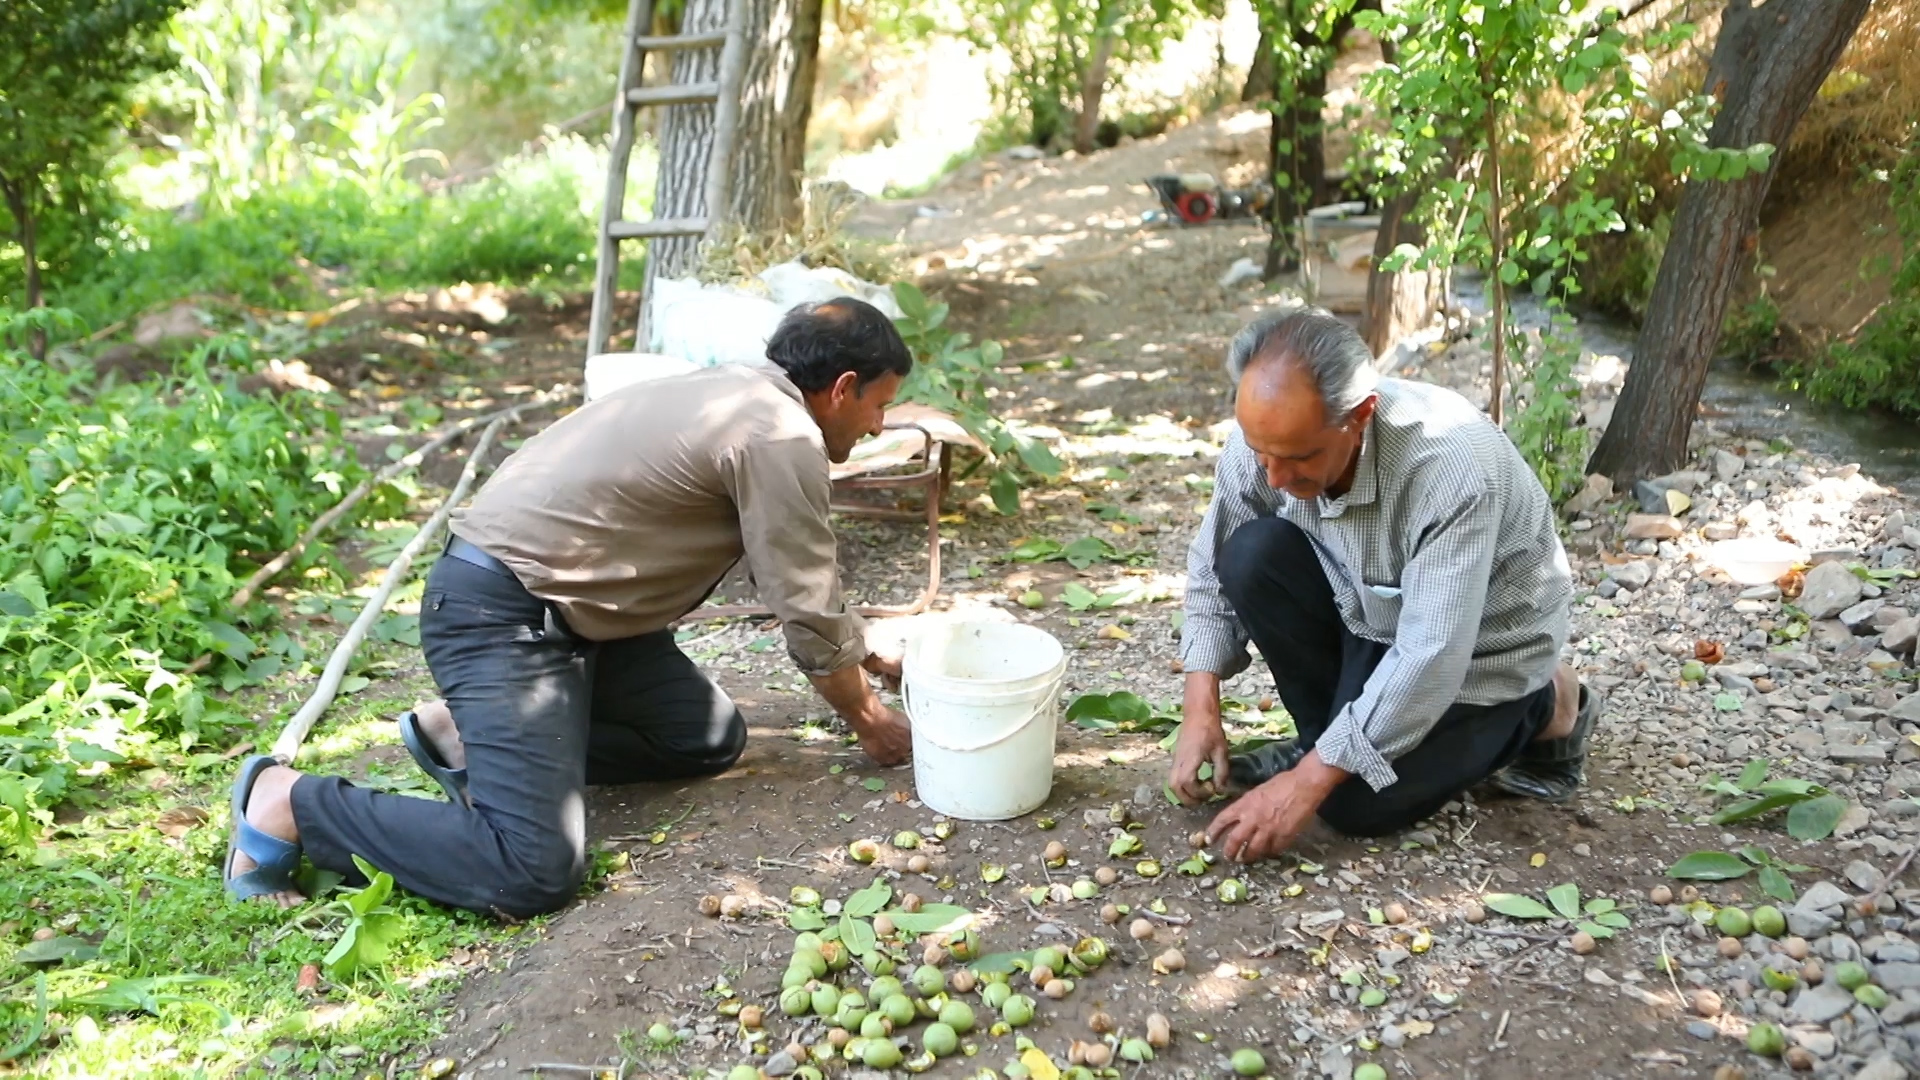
[{"x": 1326, "y": 348}]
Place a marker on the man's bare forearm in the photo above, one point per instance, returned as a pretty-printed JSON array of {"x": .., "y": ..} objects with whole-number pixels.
[
  {"x": 1202, "y": 694},
  {"x": 851, "y": 696}
]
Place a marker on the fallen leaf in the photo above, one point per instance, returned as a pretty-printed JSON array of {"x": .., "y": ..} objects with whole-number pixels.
[
  {"x": 1039, "y": 1065},
  {"x": 1115, "y": 633},
  {"x": 1413, "y": 1029},
  {"x": 181, "y": 820},
  {"x": 1709, "y": 652},
  {"x": 1539, "y": 859}
]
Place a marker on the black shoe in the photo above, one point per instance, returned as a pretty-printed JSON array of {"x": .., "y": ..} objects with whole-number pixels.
[
  {"x": 1250, "y": 770},
  {"x": 1552, "y": 770}
]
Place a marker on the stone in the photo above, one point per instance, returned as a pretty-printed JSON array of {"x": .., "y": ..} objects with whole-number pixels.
[
  {"x": 1863, "y": 875},
  {"x": 1896, "y": 952},
  {"x": 1907, "y": 710},
  {"x": 1685, "y": 480},
  {"x": 1872, "y": 753},
  {"x": 1702, "y": 1030},
  {"x": 1828, "y": 590},
  {"x": 1719, "y": 530},
  {"x": 1822, "y": 895},
  {"x": 1855, "y": 819},
  {"x": 1894, "y": 523},
  {"x": 1900, "y": 1012},
  {"x": 1392, "y": 1037},
  {"x": 1881, "y": 1066},
  {"x": 1900, "y": 637},
  {"x": 1809, "y": 924},
  {"x": 1658, "y": 527},
  {"x": 1598, "y": 489},
  {"x": 1910, "y": 537},
  {"x": 1818, "y": 1043},
  {"x": 1634, "y": 575},
  {"x": 1761, "y": 592},
  {"x": 1897, "y": 976},
  {"x": 1739, "y": 748},
  {"x": 1886, "y": 617},
  {"x": 1859, "y": 617},
  {"x": 1820, "y": 1004},
  {"x": 1726, "y": 465},
  {"x": 780, "y": 1064}
]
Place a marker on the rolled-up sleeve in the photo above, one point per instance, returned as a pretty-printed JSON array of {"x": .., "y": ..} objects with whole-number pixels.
[
  {"x": 1212, "y": 638},
  {"x": 1443, "y": 590},
  {"x": 782, "y": 490}
]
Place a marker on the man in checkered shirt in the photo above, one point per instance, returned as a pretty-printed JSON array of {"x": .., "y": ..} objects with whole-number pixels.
[{"x": 1398, "y": 566}]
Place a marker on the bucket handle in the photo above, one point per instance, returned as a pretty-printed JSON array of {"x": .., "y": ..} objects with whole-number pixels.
[{"x": 1047, "y": 703}]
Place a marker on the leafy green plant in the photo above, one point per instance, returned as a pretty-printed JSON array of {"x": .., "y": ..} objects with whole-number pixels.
[
  {"x": 1725, "y": 866},
  {"x": 1599, "y": 916},
  {"x": 127, "y": 511},
  {"x": 372, "y": 926},
  {"x": 1078, "y": 554},
  {"x": 854, "y": 926},
  {"x": 1545, "y": 426},
  {"x": 1812, "y": 811},
  {"x": 954, "y": 374}
]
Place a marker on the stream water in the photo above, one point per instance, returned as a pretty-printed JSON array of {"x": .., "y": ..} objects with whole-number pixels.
[{"x": 1754, "y": 405}]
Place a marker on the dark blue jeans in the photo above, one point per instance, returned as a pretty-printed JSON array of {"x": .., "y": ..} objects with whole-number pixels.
[
  {"x": 1273, "y": 579},
  {"x": 542, "y": 714}
]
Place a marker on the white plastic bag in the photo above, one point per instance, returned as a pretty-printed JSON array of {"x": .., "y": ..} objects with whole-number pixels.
[
  {"x": 708, "y": 325},
  {"x": 611, "y": 371}
]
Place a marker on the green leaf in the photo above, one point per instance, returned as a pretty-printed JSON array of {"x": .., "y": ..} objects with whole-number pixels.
[
  {"x": 1789, "y": 786},
  {"x": 1038, "y": 456},
  {"x": 1777, "y": 884},
  {"x": 1709, "y": 866},
  {"x": 931, "y": 919},
  {"x": 1565, "y": 900},
  {"x": 1726, "y": 702},
  {"x": 1753, "y": 808},
  {"x": 87, "y": 753},
  {"x": 12, "y": 603},
  {"x": 1755, "y": 772},
  {"x": 1086, "y": 551},
  {"x": 1755, "y": 854},
  {"x": 1614, "y": 919},
  {"x": 1515, "y": 906},
  {"x": 868, "y": 901},
  {"x": 55, "y": 950},
  {"x": 857, "y": 935},
  {"x": 806, "y": 918},
  {"x": 1037, "y": 549},
  {"x": 913, "y": 302},
  {"x": 1816, "y": 819},
  {"x": 353, "y": 684},
  {"x": 1003, "y": 963},
  {"x": 1077, "y": 596},
  {"x": 1600, "y": 905},
  {"x": 228, "y": 639},
  {"x": 1121, "y": 706},
  {"x": 874, "y": 783},
  {"x": 1596, "y": 930},
  {"x": 1005, "y": 490}
]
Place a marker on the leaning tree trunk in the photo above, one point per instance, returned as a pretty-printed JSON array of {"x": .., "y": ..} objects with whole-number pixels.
[
  {"x": 1398, "y": 302},
  {"x": 1769, "y": 62},
  {"x": 1259, "y": 84},
  {"x": 782, "y": 44},
  {"x": 20, "y": 205},
  {"x": 1093, "y": 86}
]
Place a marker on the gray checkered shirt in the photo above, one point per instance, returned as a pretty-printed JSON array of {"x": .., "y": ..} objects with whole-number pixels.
[{"x": 1445, "y": 549}]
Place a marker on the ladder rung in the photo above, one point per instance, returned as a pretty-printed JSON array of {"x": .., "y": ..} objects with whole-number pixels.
[
  {"x": 681, "y": 41},
  {"x": 674, "y": 94},
  {"x": 642, "y": 230}
]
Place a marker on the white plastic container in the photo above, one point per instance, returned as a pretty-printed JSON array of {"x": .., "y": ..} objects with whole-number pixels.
[
  {"x": 1754, "y": 560},
  {"x": 984, "y": 698}
]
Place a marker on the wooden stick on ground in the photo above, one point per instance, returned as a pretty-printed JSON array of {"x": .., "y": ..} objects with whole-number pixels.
[
  {"x": 287, "y": 746},
  {"x": 325, "y": 521}
]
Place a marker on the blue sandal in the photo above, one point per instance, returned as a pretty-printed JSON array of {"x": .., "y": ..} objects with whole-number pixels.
[
  {"x": 451, "y": 781},
  {"x": 276, "y": 860}
]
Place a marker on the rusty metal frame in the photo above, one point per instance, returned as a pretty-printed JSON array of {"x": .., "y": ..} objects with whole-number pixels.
[{"x": 932, "y": 480}]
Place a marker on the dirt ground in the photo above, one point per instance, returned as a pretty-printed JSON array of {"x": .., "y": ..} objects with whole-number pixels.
[{"x": 1115, "y": 334}]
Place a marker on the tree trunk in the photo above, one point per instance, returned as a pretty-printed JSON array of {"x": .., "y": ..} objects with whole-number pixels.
[
  {"x": 1297, "y": 155},
  {"x": 1767, "y": 65},
  {"x": 1497, "y": 399},
  {"x": 1397, "y": 303},
  {"x": 1259, "y": 84},
  {"x": 1093, "y": 85},
  {"x": 782, "y": 49},
  {"x": 20, "y": 206}
]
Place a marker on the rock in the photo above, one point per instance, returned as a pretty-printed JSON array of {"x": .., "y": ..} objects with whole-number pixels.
[
  {"x": 1809, "y": 924},
  {"x": 1900, "y": 1012},
  {"x": 1872, "y": 753},
  {"x": 1719, "y": 530},
  {"x": 1685, "y": 480},
  {"x": 1863, "y": 875},
  {"x": 1896, "y": 976},
  {"x": 1886, "y": 618},
  {"x": 1910, "y": 537},
  {"x": 1726, "y": 466},
  {"x": 1881, "y": 1066},
  {"x": 1908, "y": 709},
  {"x": 1702, "y": 1030},
  {"x": 1890, "y": 529},
  {"x": 1818, "y": 1043},
  {"x": 1392, "y": 1037},
  {"x": 1820, "y": 1004},
  {"x": 1829, "y": 589},
  {"x": 1855, "y": 819},
  {"x": 1859, "y": 617},
  {"x": 1667, "y": 527},
  {"x": 1896, "y": 952},
  {"x": 1822, "y": 895},
  {"x": 1634, "y": 575},
  {"x": 780, "y": 1064},
  {"x": 1899, "y": 638},
  {"x": 1598, "y": 490},
  {"x": 1761, "y": 592}
]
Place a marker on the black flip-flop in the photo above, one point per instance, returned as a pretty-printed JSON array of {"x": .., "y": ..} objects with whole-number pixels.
[
  {"x": 452, "y": 781},
  {"x": 276, "y": 860}
]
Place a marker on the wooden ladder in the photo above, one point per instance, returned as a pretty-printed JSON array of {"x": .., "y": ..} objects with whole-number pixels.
[{"x": 722, "y": 93}]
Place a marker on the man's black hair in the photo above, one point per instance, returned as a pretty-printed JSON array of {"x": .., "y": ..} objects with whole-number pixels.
[{"x": 815, "y": 344}]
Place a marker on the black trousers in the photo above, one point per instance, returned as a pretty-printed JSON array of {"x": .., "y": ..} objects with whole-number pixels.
[
  {"x": 1274, "y": 581},
  {"x": 542, "y": 714}
]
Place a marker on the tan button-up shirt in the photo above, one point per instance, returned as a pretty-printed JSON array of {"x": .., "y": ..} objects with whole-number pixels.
[{"x": 626, "y": 513}]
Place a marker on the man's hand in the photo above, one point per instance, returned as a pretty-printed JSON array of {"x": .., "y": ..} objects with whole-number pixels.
[
  {"x": 1265, "y": 821},
  {"x": 887, "y": 667},
  {"x": 1202, "y": 741},
  {"x": 887, "y": 739}
]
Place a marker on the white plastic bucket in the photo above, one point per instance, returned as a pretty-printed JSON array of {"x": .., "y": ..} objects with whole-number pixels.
[{"x": 984, "y": 698}]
